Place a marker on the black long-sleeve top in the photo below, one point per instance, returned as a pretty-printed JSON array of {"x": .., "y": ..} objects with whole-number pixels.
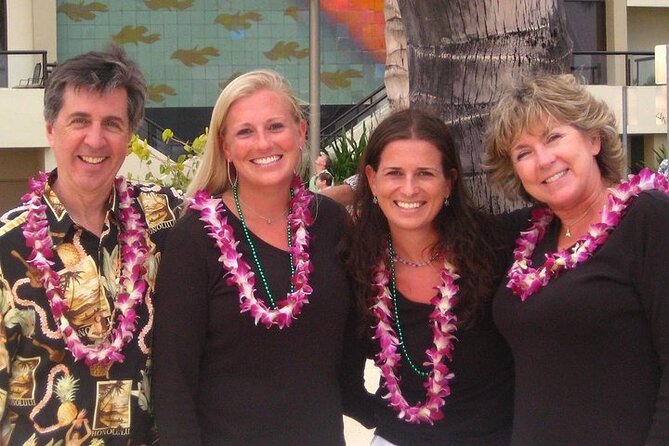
[
  {"x": 220, "y": 379},
  {"x": 591, "y": 348},
  {"x": 479, "y": 409}
]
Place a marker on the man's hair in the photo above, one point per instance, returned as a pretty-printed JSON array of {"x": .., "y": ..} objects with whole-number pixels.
[{"x": 101, "y": 71}]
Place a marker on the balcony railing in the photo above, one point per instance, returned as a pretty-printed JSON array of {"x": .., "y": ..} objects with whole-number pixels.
[
  {"x": 23, "y": 69},
  {"x": 593, "y": 66}
]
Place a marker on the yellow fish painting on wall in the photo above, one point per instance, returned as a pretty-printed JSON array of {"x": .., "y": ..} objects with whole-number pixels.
[
  {"x": 238, "y": 21},
  {"x": 134, "y": 34},
  {"x": 335, "y": 80},
  {"x": 168, "y": 4},
  {"x": 157, "y": 92},
  {"x": 195, "y": 56},
  {"x": 286, "y": 50},
  {"x": 82, "y": 11},
  {"x": 224, "y": 83},
  {"x": 292, "y": 11}
]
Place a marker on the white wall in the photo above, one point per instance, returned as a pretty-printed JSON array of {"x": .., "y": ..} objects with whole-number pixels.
[
  {"x": 21, "y": 121},
  {"x": 647, "y": 27},
  {"x": 646, "y": 107},
  {"x": 649, "y": 3},
  {"x": 45, "y": 35}
]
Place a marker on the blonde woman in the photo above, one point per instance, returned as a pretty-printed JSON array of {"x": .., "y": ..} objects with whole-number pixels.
[
  {"x": 253, "y": 301},
  {"x": 585, "y": 305}
]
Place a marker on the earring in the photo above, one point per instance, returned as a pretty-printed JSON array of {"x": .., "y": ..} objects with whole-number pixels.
[
  {"x": 446, "y": 202},
  {"x": 232, "y": 183},
  {"x": 374, "y": 199}
]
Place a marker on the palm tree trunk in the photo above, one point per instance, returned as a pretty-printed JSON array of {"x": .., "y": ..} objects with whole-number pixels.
[
  {"x": 396, "y": 76},
  {"x": 462, "y": 52}
]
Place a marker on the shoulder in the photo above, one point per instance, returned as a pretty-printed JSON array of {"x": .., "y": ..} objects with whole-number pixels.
[
  {"x": 173, "y": 195},
  {"x": 159, "y": 204},
  {"x": 515, "y": 221},
  {"x": 326, "y": 207},
  {"x": 12, "y": 221},
  {"x": 652, "y": 204}
]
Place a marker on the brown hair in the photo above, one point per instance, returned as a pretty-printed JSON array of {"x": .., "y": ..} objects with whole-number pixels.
[
  {"x": 464, "y": 232},
  {"x": 100, "y": 71}
]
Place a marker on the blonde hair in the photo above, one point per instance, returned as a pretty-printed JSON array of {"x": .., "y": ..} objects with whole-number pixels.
[
  {"x": 538, "y": 100},
  {"x": 212, "y": 174}
]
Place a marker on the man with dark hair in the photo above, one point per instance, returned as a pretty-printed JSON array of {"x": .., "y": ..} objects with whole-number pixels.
[{"x": 78, "y": 260}]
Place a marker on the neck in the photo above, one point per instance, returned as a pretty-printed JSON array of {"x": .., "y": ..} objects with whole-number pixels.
[
  {"x": 577, "y": 219},
  {"x": 268, "y": 203},
  {"x": 86, "y": 210},
  {"x": 413, "y": 245}
]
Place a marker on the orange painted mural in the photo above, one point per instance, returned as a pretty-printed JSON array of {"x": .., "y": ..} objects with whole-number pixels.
[{"x": 364, "y": 21}]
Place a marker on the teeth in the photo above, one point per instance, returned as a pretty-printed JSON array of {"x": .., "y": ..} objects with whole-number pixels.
[
  {"x": 266, "y": 160},
  {"x": 93, "y": 159},
  {"x": 555, "y": 177},
  {"x": 407, "y": 204}
]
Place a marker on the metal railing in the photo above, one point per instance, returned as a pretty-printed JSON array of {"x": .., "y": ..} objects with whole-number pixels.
[
  {"x": 592, "y": 66},
  {"x": 32, "y": 75},
  {"x": 152, "y": 132},
  {"x": 353, "y": 115}
]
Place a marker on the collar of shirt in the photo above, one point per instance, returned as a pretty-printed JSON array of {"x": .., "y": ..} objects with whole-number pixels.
[{"x": 60, "y": 222}]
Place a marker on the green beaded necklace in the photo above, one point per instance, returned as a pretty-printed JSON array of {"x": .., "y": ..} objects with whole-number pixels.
[
  {"x": 393, "y": 291},
  {"x": 254, "y": 254}
]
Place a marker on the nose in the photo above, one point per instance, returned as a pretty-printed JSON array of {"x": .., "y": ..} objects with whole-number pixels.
[
  {"x": 545, "y": 156},
  {"x": 95, "y": 136},
  {"x": 409, "y": 185},
  {"x": 264, "y": 140}
]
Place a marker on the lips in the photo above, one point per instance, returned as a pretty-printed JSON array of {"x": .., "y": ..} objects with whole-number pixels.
[
  {"x": 555, "y": 177},
  {"x": 266, "y": 160},
  {"x": 93, "y": 159},
  {"x": 409, "y": 204}
]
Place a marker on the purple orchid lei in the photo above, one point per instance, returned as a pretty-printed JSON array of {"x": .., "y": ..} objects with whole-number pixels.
[
  {"x": 524, "y": 280},
  {"x": 443, "y": 323},
  {"x": 299, "y": 218},
  {"x": 132, "y": 281}
]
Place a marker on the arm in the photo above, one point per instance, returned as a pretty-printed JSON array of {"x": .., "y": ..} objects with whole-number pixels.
[
  {"x": 7, "y": 349},
  {"x": 357, "y": 402},
  {"x": 181, "y": 321},
  {"x": 343, "y": 193},
  {"x": 652, "y": 282}
]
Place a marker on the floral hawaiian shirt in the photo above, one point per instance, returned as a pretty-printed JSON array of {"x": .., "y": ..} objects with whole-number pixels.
[{"x": 46, "y": 397}]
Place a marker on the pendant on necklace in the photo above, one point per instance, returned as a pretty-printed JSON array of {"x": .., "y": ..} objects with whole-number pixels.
[{"x": 567, "y": 233}]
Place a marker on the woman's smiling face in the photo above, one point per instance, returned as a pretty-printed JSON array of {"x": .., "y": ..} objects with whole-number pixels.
[
  {"x": 409, "y": 184},
  {"x": 557, "y": 165},
  {"x": 263, "y": 139}
]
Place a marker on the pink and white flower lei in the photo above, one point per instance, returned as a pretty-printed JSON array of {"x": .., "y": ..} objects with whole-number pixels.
[
  {"x": 132, "y": 282},
  {"x": 525, "y": 280},
  {"x": 299, "y": 218},
  {"x": 443, "y": 323}
]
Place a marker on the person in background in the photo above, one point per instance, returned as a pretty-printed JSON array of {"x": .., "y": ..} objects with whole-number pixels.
[
  {"x": 78, "y": 260},
  {"x": 254, "y": 309},
  {"x": 585, "y": 305},
  {"x": 323, "y": 164},
  {"x": 324, "y": 180},
  {"x": 343, "y": 193},
  {"x": 426, "y": 264}
]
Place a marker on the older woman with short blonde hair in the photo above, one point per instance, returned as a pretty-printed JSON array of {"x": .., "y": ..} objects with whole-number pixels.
[{"x": 585, "y": 305}]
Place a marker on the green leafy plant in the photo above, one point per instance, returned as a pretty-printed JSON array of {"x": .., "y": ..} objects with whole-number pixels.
[
  {"x": 177, "y": 174},
  {"x": 345, "y": 152},
  {"x": 660, "y": 154}
]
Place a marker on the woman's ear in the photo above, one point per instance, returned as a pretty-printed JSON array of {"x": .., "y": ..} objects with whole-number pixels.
[{"x": 370, "y": 173}]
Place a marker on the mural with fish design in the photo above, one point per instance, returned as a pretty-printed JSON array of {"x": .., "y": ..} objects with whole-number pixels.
[{"x": 189, "y": 49}]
